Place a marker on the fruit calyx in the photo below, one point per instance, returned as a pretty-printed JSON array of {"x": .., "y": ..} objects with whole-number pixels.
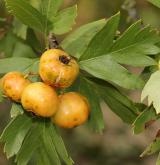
[{"x": 64, "y": 59}]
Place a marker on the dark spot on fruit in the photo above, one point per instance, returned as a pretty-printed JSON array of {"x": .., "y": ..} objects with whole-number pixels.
[
  {"x": 64, "y": 59},
  {"x": 8, "y": 87},
  {"x": 36, "y": 107},
  {"x": 75, "y": 125},
  {"x": 75, "y": 119}
]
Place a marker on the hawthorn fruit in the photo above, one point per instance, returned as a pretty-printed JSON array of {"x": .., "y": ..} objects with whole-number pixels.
[
  {"x": 40, "y": 99},
  {"x": 13, "y": 84},
  {"x": 73, "y": 110},
  {"x": 57, "y": 68}
]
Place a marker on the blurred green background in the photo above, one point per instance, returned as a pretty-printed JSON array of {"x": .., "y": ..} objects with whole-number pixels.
[{"x": 117, "y": 145}]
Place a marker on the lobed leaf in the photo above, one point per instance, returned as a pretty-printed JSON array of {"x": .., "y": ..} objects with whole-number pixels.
[
  {"x": 138, "y": 53},
  {"x": 152, "y": 148},
  {"x": 15, "y": 64},
  {"x": 106, "y": 68},
  {"x": 121, "y": 105},
  {"x": 77, "y": 42},
  {"x": 7, "y": 44},
  {"x": 30, "y": 144},
  {"x": 14, "y": 134},
  {"x": 103, "y": 40},
  {"x": 13, "y": 46},
  {"x": 96, "y": 121},
  {"x": 59, "y": 145},
  {"x": 64, "y": 20},
  {"x": 151, "y": 91},
  {"x": 27, "y": 14},
  {"x": 155, "y": 2},
  {"x": 132, "y": 44},
  {"x": 49, "y": 8},
  {"x": 128, "y": 37},
  {"x": 48, "y": 145},
  {"x": 44, "y": 142},
  {"x": 32, "y": 40},
  {"x": 16, "y": 110},
  {"x": 42, "y": 157},
  {"x": 19, "y": 29},
  {"x": 147, "y": 115},
  {"x": 158, "y": 160}
]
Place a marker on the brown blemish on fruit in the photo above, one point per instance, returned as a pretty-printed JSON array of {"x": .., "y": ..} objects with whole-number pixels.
[
  {"x": 64, "y": 59},
  {"x": 75, "y": 119}
]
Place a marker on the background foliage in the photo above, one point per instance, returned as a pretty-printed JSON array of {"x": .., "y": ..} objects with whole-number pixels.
[{"x": 19, "y": 51}]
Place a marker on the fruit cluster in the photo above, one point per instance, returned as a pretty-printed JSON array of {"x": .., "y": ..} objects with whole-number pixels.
[{"x": 57, "y": 70}]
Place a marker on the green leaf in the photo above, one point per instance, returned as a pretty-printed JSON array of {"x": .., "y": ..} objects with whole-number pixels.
[
  {"x": 64, "y": 20},
  {"x": 36, "y": 4},
  {"x": 78, "y": 41},
  {"x": 59, "y": 144},
  {"x": 155, "y": 2},
  {"x": 49, "y": 145},
  {"x": 16, "y": 110},
  {"x": 147, "y": 115},
  {"x": 44, "y": 141},
  {"x": 138, "y": 53},
  {"x": 136, "y": 44},
  {"x": 30, "y": 144},
  {"x": 151, "y": 91},
  {"x": 127, "y": 37},
  {"x": 146, "y": 73},
  {"x": 134, "y": 36},
  {"x": 34, "y": 67},
  {"x": 26, "y": 14},
  {"x": 147, "y": 35},
  {"x": 7, "y": 44},
  {"x": 106, "y": 68},
  {"x": 42, "y": 157},
  {"x": 132, "y": 44},
  {"x": 50, "y": 7},
  {"x": 23, "y": 50},
  {"x": 103, "y": 40},
  {"x": 15, "y": 64},
  {"x": 152, "y": 148},
  {"x": 32, "y": 40},
  {"x": 118, "y": 103},
  {"x": 96, "y": 121},
  {"x": 158, "y": 160},
  {"x": 141, "y": 107},
  {"x": 14, "y": 46},
  {"x": 19, "y": 29},
  {"x": 14, "y": 134}
]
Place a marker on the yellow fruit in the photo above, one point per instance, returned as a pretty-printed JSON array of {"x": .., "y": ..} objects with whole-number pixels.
[
  {"x": 40, "y": 99},
  {"x": 1, "y": 83},
  {"x": 13, "y": 84},
  {"x": 57, "y": 68},
  {"x": 73, "y": 110}
]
